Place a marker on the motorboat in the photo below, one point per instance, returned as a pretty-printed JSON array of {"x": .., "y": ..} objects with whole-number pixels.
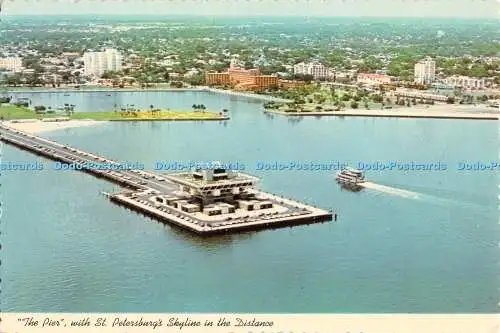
[{"x": 350, "y": 176}]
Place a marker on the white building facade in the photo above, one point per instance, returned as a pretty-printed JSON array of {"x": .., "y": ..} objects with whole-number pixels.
[
  {"x": 425, "y": 71},
  {"x": 96, "y": 63},
  {"x": 316, "y": 69},
  {"x": 236, "y": 63},
  {"x": 13, "y": 64},
  {"x": 467, "y": 82}
]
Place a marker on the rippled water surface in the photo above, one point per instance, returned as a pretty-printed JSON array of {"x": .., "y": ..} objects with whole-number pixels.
[{"x": 65, "y": 247}]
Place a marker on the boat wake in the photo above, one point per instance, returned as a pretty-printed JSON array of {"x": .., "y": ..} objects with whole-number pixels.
[
  {"x": 456, "y": 232},
  {"x": 419, "y": 196},
  {"x": 355, "y": 179},
  {"x": 392, "y": 190}
]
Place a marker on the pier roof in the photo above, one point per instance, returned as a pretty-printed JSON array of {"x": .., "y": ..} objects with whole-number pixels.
[{"x": 187, "y": 179}]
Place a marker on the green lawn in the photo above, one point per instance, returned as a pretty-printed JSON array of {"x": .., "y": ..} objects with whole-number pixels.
[
  {"x": 145, "y": 115},
  {"x": 10, "y": 112}
]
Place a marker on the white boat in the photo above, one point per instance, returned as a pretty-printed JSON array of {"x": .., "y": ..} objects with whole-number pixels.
[{"x": 350, "y": 176}]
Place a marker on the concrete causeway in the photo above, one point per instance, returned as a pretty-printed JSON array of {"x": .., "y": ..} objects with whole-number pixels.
[{"x": 142, "y": 190}]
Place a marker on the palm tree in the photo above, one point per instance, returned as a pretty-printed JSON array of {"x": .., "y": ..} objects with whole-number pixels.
[
  {"x": 151, "y": 107},
  {"x": 195, "y": 107}
]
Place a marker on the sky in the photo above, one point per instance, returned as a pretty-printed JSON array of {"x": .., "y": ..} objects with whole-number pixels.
[{"x": 378, "y": 8}]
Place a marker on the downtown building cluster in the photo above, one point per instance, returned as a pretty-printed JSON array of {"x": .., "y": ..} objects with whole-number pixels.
[{"x": 425, "y": 73}]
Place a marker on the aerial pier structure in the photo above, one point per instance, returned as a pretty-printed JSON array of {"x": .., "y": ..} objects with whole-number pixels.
[{"x": 204, "y": 201}]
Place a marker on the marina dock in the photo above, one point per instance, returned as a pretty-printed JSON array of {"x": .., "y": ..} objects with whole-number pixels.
[{"x": 226, "y": 202}]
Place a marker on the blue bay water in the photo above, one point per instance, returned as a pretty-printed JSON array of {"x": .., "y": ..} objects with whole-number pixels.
[{"x": 66, "y": 248}]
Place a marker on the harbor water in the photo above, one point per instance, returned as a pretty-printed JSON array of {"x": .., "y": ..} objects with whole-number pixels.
[{"x": 422, "y": 241}]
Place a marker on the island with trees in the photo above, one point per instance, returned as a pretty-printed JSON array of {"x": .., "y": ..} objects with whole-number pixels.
[{"x": 16, "y": 112}]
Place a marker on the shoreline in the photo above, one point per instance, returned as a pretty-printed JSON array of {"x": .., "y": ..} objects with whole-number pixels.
[
  {"x": 155, "y": 89},
  {"x": 433, "y": 112},
  {"x": 173, "y": 119},
  {"x": 246, "y": 94},
  {"x": 39, "y": 126},
  {"x": 34, "y": 126},
  {"x": 96, "y": 89}
]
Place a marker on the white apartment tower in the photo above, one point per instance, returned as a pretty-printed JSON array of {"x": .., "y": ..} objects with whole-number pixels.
[
  {"x": 96, "y": 63},
  {"x": 316, "y": 69},
  {"x": 425, "y": 71},
  {"x": 300, "y": 68}
]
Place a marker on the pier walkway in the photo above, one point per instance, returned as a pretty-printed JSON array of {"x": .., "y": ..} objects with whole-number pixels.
[{"x": 141, "y": 188}]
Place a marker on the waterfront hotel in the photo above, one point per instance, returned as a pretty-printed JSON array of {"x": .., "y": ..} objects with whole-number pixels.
[
  {"x": 242, "y": 79},
  {"x": 248, "y": 79}
]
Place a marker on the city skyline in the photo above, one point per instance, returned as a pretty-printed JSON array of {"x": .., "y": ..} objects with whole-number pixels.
[{"x": 324, "y": 8}]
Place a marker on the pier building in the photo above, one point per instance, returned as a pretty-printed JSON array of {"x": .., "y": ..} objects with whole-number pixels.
[{"x": 206, "y": 202}]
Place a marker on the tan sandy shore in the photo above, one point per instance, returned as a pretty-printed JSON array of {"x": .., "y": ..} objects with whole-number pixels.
[
  {"x": 443, "y": 111},
  {"x": 37, "y": 126}
]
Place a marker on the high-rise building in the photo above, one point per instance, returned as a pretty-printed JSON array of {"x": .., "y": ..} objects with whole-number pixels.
[
  {"x": 425, "y": 71},
  {"x": 96, "y": 63},
  {"x": 316, "y": 69},
  {"x": 300, "y": 68},
  {"x": 13, "y": 64}
]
